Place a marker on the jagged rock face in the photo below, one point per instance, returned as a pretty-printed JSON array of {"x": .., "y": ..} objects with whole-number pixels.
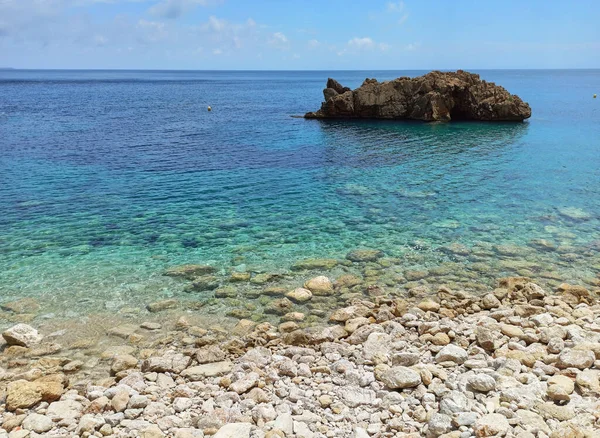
[{"x": 436, "y": 96}]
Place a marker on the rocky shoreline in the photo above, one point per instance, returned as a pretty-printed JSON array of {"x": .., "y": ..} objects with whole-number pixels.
[{"x": 517, "y": 361}]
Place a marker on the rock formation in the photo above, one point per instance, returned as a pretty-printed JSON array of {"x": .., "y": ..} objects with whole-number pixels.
[{"x": 436, "y": 96}]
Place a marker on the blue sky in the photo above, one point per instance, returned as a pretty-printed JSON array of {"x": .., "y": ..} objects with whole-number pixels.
[{"x": 307, "y": 34}]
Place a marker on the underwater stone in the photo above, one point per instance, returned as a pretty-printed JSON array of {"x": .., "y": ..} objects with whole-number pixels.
[
  {"x": 575, "y": 214},
  {"x": 158, "y": 306},
  {"x": 24, "y": 305},
  {"x": 320, "y": 285},
  {"x": 279, "y": 307},
  {"x": 509, "y": 250},
  {"x": 226, "y": 292},
  {"x": 543, "y": 245},
  {"x": 293, "y": 316},
  {"x": 239, "y": 277},
  {"x": 415, "y": 275},
  {"x": 263, "y": 278},
  {"x": 456, "y": 249},
  {"x": 364, "y": 255},
  {"x": 300, "y": 295},
  {"x": 275, "y": 291},
  {"x": 189, "y": 271},
  {"x": 348, "y": 281},
  {"x": 239, "y": 313},
  {"x": 207, "y": 282},
  {"x": 123, "y": 331}
]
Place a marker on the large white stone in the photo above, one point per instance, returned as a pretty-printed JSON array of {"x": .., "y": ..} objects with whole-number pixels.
[
  {"x": 576, "y": 359},
  {"x": 37, "y": 423},
  {"x": 439, "y": 424},
  {"x": 452, "y": 353},
  {"x": 482, "y": 382},
  {"x": 207, "y": 370},
  {"x": 377, "y": 347},
  {"x": 300, "y": 295},
  {"x": 301, "y": 430},
  {"x": 285, "y": 423},
  {"x": 400, "y": 378},
  {"x": 234, "y": 430},
  {"x": 354, "y": 396},
  {"x": 66, "y": 409},
  {"x": 245, "y": 384},
  {"x": 491, "y": 425},
  {"x": 23, "y": 335}
]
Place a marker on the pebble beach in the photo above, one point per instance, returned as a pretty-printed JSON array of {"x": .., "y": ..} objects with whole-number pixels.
[{"x": 517, "y": 360}]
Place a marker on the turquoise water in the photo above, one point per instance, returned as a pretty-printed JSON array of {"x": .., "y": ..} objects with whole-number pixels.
[{"x": 108, "y": 178}]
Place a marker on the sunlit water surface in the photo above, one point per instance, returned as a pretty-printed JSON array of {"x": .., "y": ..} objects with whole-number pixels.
[{"x": 109, "y": 178}]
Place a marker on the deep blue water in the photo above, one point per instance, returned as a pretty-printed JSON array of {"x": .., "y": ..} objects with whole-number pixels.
[{"x": 108, "y": 177}]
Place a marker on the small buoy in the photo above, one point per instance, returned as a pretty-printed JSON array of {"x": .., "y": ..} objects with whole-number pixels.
[{"x": 209, "y": 108}]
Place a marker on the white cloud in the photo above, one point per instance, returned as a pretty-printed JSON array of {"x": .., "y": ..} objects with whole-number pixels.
[
  {"x": 217, "y": 52},
  {"x": 151, "y": 31},
  {"x": 226, "y": 35},
  {"x": 279, "y": 41},
  {"x": 314, "y": 44},
  {"x": 278, "y": 36},
  {"x": 215, "y": 24},
  {"x": 100, "y": 40},
  {"x": 361, "y": 43},
  {"x": 358, "y": 45},
  {"x": 412, "y": 46},
  {"x": 403, "y": 19}
]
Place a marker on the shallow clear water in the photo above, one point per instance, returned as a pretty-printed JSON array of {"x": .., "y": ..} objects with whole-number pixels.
[{"x": 107, "y": 178}]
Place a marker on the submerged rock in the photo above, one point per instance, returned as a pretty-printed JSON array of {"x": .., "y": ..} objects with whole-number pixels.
[
  {"x": 237, "y": 277},
  {"x": 436, "y": 96},
  {"x": 189, "y": 271},
  {"x": 299, "y": 295},
  {"x": 279, "y": 307},
  {"x": 364, "y": 255},
  {"x": 22, "y": 306},
  {"x": 204, "y": 283},
  {"x": 159, "y": 306},
  {"x": 575, "y": 214},
  {"x": 319, "y": 285}
]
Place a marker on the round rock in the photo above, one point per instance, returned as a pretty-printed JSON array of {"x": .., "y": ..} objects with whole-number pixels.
[
  {"x": 22, "y": 335},
  {"x": 400, "y": 377},
  {"x": 452, "y": 353}
]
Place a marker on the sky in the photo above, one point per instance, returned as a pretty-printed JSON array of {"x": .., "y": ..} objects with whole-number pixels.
[{"x": 299, "y": 35}]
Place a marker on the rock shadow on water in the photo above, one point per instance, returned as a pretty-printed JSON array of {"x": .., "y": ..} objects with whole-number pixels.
[{"x": 383, "y": 143}]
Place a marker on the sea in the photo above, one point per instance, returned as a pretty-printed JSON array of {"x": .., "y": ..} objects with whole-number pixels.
[{"x": 109, "y": 178}]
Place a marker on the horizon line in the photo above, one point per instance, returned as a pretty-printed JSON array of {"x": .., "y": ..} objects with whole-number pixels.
[{"x": 286, "y": 70}]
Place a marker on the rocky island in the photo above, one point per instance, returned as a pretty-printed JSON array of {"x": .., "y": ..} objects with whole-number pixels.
[{"x": 436, "y": 96}]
